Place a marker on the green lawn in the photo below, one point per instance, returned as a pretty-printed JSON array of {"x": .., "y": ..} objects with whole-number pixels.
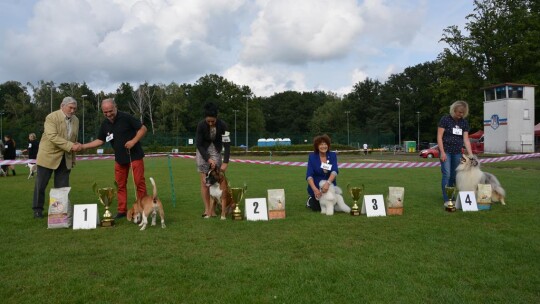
[{"x": 426, "y": 255}]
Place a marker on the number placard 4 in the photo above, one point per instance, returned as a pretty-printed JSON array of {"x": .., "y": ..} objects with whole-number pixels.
[
  {"x": 467, "y": 201},
  {"x": 85, "y": 216},
  {"x": 256, "y": 209},
  {"x": 374, "y": 205}
]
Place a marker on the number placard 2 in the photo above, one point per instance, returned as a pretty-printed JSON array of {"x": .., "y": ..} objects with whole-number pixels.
[
  {"x": 467, "y": 201},
  {"x": 256, "y": 209},
  {"x": 85, "y": 216},
  {"x": 373, "y": 205}
]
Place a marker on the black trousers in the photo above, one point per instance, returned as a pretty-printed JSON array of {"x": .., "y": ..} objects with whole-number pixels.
[{"x": 61, "y": 179}]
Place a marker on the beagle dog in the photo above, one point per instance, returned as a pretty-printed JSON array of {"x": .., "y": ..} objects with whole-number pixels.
[{"x": 146, "y": 206}]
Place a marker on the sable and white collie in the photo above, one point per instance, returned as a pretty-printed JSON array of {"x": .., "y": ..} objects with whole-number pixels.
[{"x": 469, "y": 175}]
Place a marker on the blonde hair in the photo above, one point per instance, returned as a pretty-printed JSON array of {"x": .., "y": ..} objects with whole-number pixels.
[
  {"x": 458, "y": 104},
  {"x": 32, "y": 136}
]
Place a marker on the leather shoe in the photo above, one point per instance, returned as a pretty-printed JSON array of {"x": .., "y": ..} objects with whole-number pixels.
[
  {"x": 120, "y": 215},
  {"x": 38, "y": 214}
]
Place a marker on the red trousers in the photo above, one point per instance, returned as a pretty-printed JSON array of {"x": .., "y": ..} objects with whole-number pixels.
[{"x": 121, "y": 173}]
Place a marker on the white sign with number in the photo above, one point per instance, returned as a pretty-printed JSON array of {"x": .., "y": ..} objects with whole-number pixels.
[
  {"x": 373, "y": 205},
  {"x": 256, "y": 209},
  {"x": 467, "y": 201},
  {"x": 85, "y": 216}
]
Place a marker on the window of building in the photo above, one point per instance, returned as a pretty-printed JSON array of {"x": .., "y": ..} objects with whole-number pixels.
[
  {"x": 526, "y": 114},
  {"x": 515, "y": 92},
  {"x": 490, "y": 94},
  {"x": 501, "y": 92}
]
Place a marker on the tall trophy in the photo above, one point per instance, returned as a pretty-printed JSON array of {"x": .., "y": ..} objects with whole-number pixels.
[
  {"x": 356, "y": 193},
  {"x": 106, "y": 196},
  {"x": 237, "y": 195},
  {"x": 450, "y": 192}
]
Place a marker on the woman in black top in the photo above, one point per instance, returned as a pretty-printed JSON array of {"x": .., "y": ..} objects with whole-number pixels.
[
  {"x": 9, "y": 153},
  {"x": 33, "y": 146},
  {"x": 212, "y": 136}
]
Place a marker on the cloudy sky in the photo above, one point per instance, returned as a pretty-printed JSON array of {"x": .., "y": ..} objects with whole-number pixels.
[{"x": 269, "y": 45}]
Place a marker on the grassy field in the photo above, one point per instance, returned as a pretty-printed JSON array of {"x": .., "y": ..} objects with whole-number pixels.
[{"x": 424, "y": 256}]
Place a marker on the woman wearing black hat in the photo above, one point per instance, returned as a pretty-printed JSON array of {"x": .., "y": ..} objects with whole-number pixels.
[{"x": 212, "y": 136}]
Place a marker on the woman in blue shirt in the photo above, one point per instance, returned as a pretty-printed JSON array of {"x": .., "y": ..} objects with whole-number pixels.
[
  {"x": 452, "y": 135},
  {"x": 322, "y": 165}
]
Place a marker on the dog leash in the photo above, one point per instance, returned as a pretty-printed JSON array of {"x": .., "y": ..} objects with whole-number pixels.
[{"x": 132, "y": 173}]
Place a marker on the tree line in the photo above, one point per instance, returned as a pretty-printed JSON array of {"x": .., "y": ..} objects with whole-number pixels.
[{"x": 499, "y": 43}]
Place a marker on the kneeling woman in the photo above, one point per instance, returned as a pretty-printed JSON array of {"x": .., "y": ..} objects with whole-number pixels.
[{"x": 322, "y": 165}]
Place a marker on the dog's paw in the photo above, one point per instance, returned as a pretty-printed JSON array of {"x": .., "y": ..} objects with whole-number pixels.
[
  {"x": 223, "y": 218},
  {"x": 163, "y": 225}
]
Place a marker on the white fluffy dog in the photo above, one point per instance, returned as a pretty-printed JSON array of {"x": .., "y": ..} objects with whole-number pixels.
[
  {"x": 469, "y": 175},
  {"x": 332, "y": 200}
]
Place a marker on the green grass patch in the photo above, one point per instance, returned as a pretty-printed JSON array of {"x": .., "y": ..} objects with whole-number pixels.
[{"x": 425, "y": 255}]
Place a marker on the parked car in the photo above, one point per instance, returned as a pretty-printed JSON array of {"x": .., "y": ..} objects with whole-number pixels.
[
  {"x": 430, "y": 153},
  {"x": 477, "y": 147}
]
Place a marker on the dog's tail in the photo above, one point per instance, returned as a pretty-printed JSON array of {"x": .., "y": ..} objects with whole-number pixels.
[{"x": 154, "y": 189}]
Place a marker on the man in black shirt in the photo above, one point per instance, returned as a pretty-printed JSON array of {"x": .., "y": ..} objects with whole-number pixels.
[{"x": 124, "y": 132}]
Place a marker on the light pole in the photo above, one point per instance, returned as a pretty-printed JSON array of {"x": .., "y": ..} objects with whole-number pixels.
[
  {"x": 83, "y": 96},
  {"x": 398, "y": 102},
  {"x": 418, "y": 127},
  {"x": 235, "y": 111},
  {"x": 51, "y": 87},
  {"x": 247, "y": 122},
  {"x": 1, "y": 125},
  {"x": 348, "y": 138}
]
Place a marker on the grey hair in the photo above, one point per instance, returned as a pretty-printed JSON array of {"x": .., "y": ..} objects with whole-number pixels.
[
  {"x": 68, "y": 100},
  {"x": 111, "y": 100},
  {"x": 457, "y": 104}
]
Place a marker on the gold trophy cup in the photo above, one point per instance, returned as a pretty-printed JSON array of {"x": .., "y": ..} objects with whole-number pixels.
[
  {"x": 237, "y": 195},
  {"x": 106, "y": 196},
  {"x": 356, "y": 193},
  {"x": 450, "y": 192}
]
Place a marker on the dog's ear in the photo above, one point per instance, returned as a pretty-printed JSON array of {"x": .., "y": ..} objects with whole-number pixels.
[{"x": 474, "y": 162}]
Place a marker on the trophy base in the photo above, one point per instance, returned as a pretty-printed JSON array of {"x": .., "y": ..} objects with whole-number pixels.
[
  {"x": 107, "y": 222},
  {"x": 450, "y": 209},
  {"x": 355, "y": 212},
  {"x": 237, "y": 216}
]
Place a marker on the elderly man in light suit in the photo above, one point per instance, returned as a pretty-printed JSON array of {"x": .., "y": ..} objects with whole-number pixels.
[{"x": 56, "y": 151}]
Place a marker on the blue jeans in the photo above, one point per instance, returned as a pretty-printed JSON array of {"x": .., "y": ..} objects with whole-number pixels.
[{"x": 448, "y": 169}]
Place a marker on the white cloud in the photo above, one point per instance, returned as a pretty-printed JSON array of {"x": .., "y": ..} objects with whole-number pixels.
[
  {"x": 302, "y": 30},
  {"x": 269, "y": 45},
  {"x": 265, "y": 80}
]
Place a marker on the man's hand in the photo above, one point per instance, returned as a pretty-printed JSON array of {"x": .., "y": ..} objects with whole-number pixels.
[
  {"x": 76, "y": 147},
  {"x": 129, "y": 144}
]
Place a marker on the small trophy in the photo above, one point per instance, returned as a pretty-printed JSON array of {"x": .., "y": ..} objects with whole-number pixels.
[
  {"x": 356, "y": 193},
  {"x": 237, "y": 195},
  {"x": 106, "y": 196},
  {"x": 450, "y": 192}
]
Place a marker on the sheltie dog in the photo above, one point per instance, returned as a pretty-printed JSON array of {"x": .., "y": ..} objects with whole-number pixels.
[{"x": 469, "y": 175}]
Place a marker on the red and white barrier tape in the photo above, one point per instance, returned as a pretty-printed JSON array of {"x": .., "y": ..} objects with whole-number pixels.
[{"x": 303, "y": 164}]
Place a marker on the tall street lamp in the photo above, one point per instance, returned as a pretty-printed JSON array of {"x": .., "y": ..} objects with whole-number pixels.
[
  {"x": 1, "y": 125},
  {"x": 51, "y": 87},
  {"x": 348, "y": 138},
  {"x": 83, "y": 96},
  {"x": 247, "y": 122},
  {"x": 235, "y": 111},
  {"x": 398, "y": 102},
  {"x": 418, "y": 127}
]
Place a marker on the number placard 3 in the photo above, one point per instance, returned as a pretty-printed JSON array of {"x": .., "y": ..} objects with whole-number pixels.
[
  {"x": 85, "y": 216},
  {"x": 256, "y": 209},
  {"x": 374, "y": 205},
  {"x": 467, "y": 201}
]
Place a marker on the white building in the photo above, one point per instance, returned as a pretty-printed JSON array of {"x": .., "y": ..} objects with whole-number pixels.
[{"x": 509, "y": 118}]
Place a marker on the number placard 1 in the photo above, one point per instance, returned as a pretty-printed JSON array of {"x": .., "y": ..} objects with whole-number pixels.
[
  {"x": 256, "y": 209},
  {"x": 374, "y": 205},
  {"x": 85, "y": 216},
  {"x": 467, "y": 201}
]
